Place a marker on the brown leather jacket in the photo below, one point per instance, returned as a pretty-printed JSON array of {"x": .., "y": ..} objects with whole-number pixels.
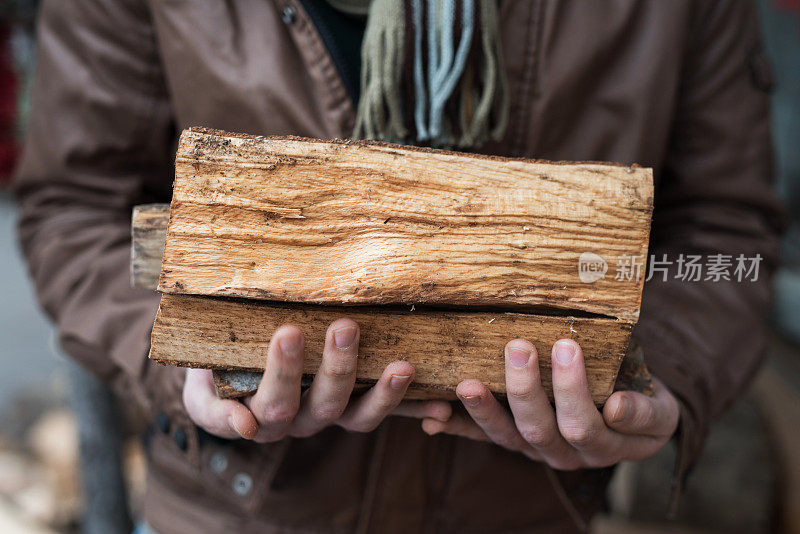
[{"x": 679, "y": 86}]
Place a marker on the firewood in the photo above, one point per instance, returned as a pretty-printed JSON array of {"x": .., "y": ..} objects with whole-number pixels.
[
  {"x": 440, "y": 257},
  {"x": 148, "y": 234},
  {"x": 445, "y": 347},
  {"x": 336, "y": 222}
]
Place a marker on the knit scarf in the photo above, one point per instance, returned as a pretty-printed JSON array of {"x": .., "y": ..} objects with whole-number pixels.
[{"x": 431, "y": 72}]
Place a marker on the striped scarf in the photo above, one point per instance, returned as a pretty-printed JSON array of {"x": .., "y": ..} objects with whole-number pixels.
[{"x": 431, "y": 72}]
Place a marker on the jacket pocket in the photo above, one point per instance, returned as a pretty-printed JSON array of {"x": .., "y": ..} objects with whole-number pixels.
[{"x": 236, "y": 474}]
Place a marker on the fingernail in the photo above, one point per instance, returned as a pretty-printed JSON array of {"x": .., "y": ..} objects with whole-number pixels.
[
  {"x": 564, "y": 352},
  {"x": 519, "y": 357},
  {"x": 344, "y": 337},
  {"x": 233, "y": 426},
  {"x": 289, "y": 345},
  {"x": 471, "y": 400},
  {"x": 621, "y": 412},
  {"x": 398, "y": 381}
]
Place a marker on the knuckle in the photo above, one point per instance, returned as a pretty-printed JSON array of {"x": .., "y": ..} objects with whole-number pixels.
[
  {"x": 567, "y": 385},
  {"x": 579, "y": 436},
  {"x": 339, "y": 368},
  {"x": 538, "y": 436},
  {"x": 279, "y": 412},
  {"x": 327, "y": 411},
  {"x": 521, "y": 391}
]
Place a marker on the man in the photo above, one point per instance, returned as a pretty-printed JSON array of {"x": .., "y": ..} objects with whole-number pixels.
[{"x": 679, "y": 86}]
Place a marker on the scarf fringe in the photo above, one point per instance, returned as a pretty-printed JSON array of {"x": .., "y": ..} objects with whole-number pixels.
[{"x": 432, "y": 74}]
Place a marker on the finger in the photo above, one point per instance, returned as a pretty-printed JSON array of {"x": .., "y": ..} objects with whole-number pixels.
[
  {"x": 366, "y": 413},
  {"x": 434, "y": 409},
  {"x": 464, "y": 426},
  {"x": 578, "y": 419},
  {"x": 488, "y": 414},
  {"x": 330, "y": 391},
  {"x": 221, "y": 417},
  {"x": 277, "y": 399},
  {"x": 632, "y": 413},
  {"x": 533, "y": 415},
  {"x": 457, "y": 425}
]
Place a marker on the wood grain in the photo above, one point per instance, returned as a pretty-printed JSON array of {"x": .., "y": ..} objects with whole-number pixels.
[
  {"x": 444, "y": 347},
  {"x": 336, "y": 222},
  {"x": 148, "y": 234}
]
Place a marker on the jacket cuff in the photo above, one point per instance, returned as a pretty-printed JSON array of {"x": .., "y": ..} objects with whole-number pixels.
[{"x": 692, "y": 428}]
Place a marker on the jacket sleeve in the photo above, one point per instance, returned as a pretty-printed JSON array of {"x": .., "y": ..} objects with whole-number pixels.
[
  {"x": 705, "y": 339},
  {"x": 100, "y": 131}
]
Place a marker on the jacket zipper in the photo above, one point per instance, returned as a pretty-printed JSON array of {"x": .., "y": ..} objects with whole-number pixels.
[{"x": 349, "y": 79}]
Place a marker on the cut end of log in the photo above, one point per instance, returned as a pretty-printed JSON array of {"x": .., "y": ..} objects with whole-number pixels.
[{"x": 148, "y": 236}]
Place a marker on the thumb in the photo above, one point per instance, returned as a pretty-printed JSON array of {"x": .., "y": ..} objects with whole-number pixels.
[
  {"x": 628, "y": 412},
  {"x": 224, "y": 418}
]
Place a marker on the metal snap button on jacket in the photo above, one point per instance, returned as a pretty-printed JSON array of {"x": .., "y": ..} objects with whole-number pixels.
[
  {"x": 242, "y": 483},
  {"x": 162, "y": 422},
  {"x": 289, "y": 15},
  {"x": 218, "y": 462},
  {"x": 180, "y": 439}
]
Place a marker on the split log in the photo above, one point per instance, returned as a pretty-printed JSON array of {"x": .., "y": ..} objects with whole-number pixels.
[
  {"x": 337, "y": 222},
  {"x": 149, "y": 233},
  {"x": 445, "y": 347}
]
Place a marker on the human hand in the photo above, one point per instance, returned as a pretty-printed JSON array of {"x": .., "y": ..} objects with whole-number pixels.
[
  {"x": 280, "y": 409},
  {"x": 575, "y": 434}
]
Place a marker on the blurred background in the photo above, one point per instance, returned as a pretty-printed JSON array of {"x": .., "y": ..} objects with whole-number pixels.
[{"x": 71, "y": 458}]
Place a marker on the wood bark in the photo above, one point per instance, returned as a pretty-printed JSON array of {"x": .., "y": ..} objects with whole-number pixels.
[
  {"x": 445, "y": 347},
  {"x": 336, "y": 222}
]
